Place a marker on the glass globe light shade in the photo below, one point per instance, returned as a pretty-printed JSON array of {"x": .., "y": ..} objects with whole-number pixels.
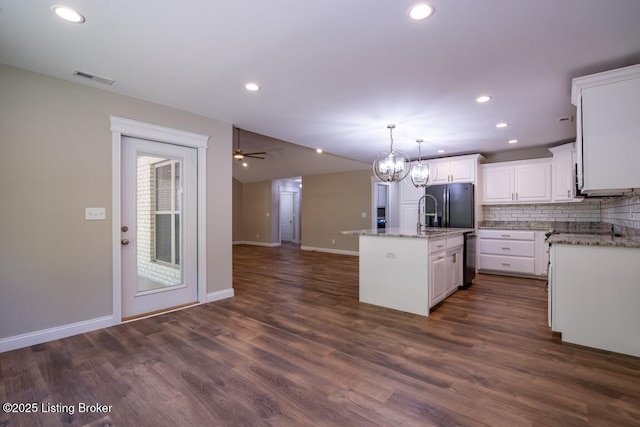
[
  {"x": 391, "y": 166},
  {"x": 420, "y": 176}
]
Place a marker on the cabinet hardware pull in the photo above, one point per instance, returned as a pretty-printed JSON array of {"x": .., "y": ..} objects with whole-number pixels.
[
  {"x": 441, "y": 257},
  {"x": 516, "y": 196},
  {"x": 506, "y": 235},
  {"x": 506, "y": 249},
  {"x": 506, "y": 264},
  {"x": 569, "y": 194}
]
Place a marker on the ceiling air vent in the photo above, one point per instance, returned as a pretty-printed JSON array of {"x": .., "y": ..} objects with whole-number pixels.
[{"x": 95, "y": 78}]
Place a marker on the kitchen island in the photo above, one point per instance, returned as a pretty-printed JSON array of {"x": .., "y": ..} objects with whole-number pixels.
[
  {"x": 408, "y": 270},
  {"x": 594, "y": 290}
]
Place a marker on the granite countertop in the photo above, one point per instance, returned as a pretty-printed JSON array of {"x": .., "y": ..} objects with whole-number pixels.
[
  {"x": 572, "y": 233},
  {"x": 397, "y": 232},
  {"x": 595, "y": 240}
]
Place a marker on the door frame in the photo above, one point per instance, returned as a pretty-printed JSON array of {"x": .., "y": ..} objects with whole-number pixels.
[
  {"x": 125, "y": 127},
  {"x": 295, "y": 216}
]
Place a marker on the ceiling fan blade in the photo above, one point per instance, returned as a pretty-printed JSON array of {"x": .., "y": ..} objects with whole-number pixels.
[
  {"x": 257, "y": 153},
  {"x": 254, "y": 157}
]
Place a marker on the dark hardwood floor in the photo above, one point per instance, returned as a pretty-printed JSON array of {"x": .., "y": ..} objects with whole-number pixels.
[{"x": 294, "y": 347}]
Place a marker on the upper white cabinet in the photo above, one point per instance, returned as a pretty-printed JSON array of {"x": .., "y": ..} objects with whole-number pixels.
[
  {"x": 454, "y": 169},
  {"x": 608, "y": 133},
  {"x": 563, "y": 173},
  {"x": 525, "y": 181}
]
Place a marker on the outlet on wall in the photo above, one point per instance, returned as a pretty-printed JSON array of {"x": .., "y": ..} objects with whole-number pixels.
[{"x": 95, "y": 214}]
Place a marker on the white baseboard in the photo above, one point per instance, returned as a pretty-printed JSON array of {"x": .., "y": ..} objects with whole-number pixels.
[
  {"x": 246, "y": 242},
  {"x": 58, "y": 332},
  {"x": 330, "y": 251},
  {"x": 219, "y": 295}
]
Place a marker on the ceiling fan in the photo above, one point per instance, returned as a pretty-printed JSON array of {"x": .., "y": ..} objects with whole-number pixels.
[{"x": 238, "y": 154}]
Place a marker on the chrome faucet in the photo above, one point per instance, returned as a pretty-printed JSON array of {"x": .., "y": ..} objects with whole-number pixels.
[{"x": 422, "y": 203}]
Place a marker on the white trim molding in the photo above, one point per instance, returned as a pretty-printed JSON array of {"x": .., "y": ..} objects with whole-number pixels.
[
  {"x": 247, "y": 242},
  {"x": 330, "y": 251},
  {"x": 125, "y": 127},
  {"x": 220, "y": 295},
  {"x": 55, "y": 333}
]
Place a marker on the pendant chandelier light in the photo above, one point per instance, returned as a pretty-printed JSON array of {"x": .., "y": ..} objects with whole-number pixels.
[
  {"x": 391, "y": 166},
  {"x": 422, "y": 175}
]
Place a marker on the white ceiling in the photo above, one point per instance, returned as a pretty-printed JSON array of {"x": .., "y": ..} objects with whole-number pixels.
[{"x": 334, "y": 73}]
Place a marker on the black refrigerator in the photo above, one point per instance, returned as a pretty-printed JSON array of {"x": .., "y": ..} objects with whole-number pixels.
[
  {"x": 455, "y": 205},
  {"x": 456, "y": 209}
]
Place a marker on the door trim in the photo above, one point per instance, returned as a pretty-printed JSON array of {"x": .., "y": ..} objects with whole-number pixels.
[{"x": 126, "y": 127}]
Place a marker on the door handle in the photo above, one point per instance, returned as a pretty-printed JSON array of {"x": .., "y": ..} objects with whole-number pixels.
[{"x": 124, "y": 242}]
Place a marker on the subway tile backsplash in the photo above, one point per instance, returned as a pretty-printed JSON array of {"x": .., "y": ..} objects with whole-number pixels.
[
  {"x": 585, "y": 211},
  {"x": 622, "y": 212}
]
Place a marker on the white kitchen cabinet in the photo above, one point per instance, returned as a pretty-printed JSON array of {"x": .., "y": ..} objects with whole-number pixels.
[
  {"x": 409, "y": 197},
  {"x": 608, "y": 131},
  {"x": 509, "y": 252},
  {"x": 595, "y": 296},
  {"x": 524, "y": 181},
  {"x": 409, "y": 193},
  {"x": 454, "y": 169},
  {"x": 445, "y": 267},
  {"x": 563, "y": 173}
]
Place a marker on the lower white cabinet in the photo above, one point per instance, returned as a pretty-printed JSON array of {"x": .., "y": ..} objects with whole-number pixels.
[
  {"x": 594, "y": 296},
  {"x": 512, "y": 251},
  {"x": 445, "y": 267}
]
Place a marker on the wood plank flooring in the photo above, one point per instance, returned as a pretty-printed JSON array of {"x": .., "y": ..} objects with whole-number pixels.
[{"x": 294, "y": 347}]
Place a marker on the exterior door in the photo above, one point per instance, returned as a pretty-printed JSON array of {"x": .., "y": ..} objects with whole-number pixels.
[
  {"x": 159, "y": 226},
  {"x": 286, "y": 217}
]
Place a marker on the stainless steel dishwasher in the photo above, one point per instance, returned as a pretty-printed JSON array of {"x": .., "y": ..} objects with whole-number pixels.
[{"x": 469, "y": 257}]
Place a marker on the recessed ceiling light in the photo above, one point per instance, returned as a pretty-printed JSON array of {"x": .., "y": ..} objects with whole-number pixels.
[
  {"x": 420, "y": 11},
  {"x": 512, "y": 141},
  {"x": 502, "y": 125},
  {"x": 68, "y": 14},
  {"x": 441, "y": 151},
  {"x": 253, "y": 87},
  {"x": 319, "y": 150},
  {"x": 483, "y": 98},
  {"x": 245, "y": 164}
]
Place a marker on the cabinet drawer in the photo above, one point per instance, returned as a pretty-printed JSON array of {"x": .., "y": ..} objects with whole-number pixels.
[
  {"x": 453, "y": 242},
  {"x": 505, "y": 263},
  {"x": 506, "y": 234},
  {"x": 436, "y": 245},
  {"x": 507, "y": 247}
]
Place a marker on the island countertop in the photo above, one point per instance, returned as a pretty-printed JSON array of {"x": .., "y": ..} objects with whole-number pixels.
[{"x": 411, "y": 233}]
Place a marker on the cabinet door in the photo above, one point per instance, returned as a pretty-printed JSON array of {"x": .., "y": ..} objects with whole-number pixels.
[
  {"x": 409, "y": 217},
  {"x": 439, "y": 169},
  {"x": 497, "y": 184},
  {"x": 455, "y": 270},
  {"x": 463, "y": 171},
  {"x": 563, "y": 180},
  {"x": 409, "y": 193},
  {"x": 610, "y": 129},
  {"x": 437, "y": 278},
  {"x": 533, "y": 182}
]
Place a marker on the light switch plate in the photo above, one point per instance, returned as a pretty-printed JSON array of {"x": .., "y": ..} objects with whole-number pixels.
[{"x": 95, "y": 214}]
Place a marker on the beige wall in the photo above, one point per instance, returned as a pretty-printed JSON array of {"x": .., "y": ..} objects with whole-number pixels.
[
  {"x": 256, "y": 203},
  {"x": 55, "y": 160},
  {"x": 238, "y": 234},
  {"x": 332, "y": 203}
]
